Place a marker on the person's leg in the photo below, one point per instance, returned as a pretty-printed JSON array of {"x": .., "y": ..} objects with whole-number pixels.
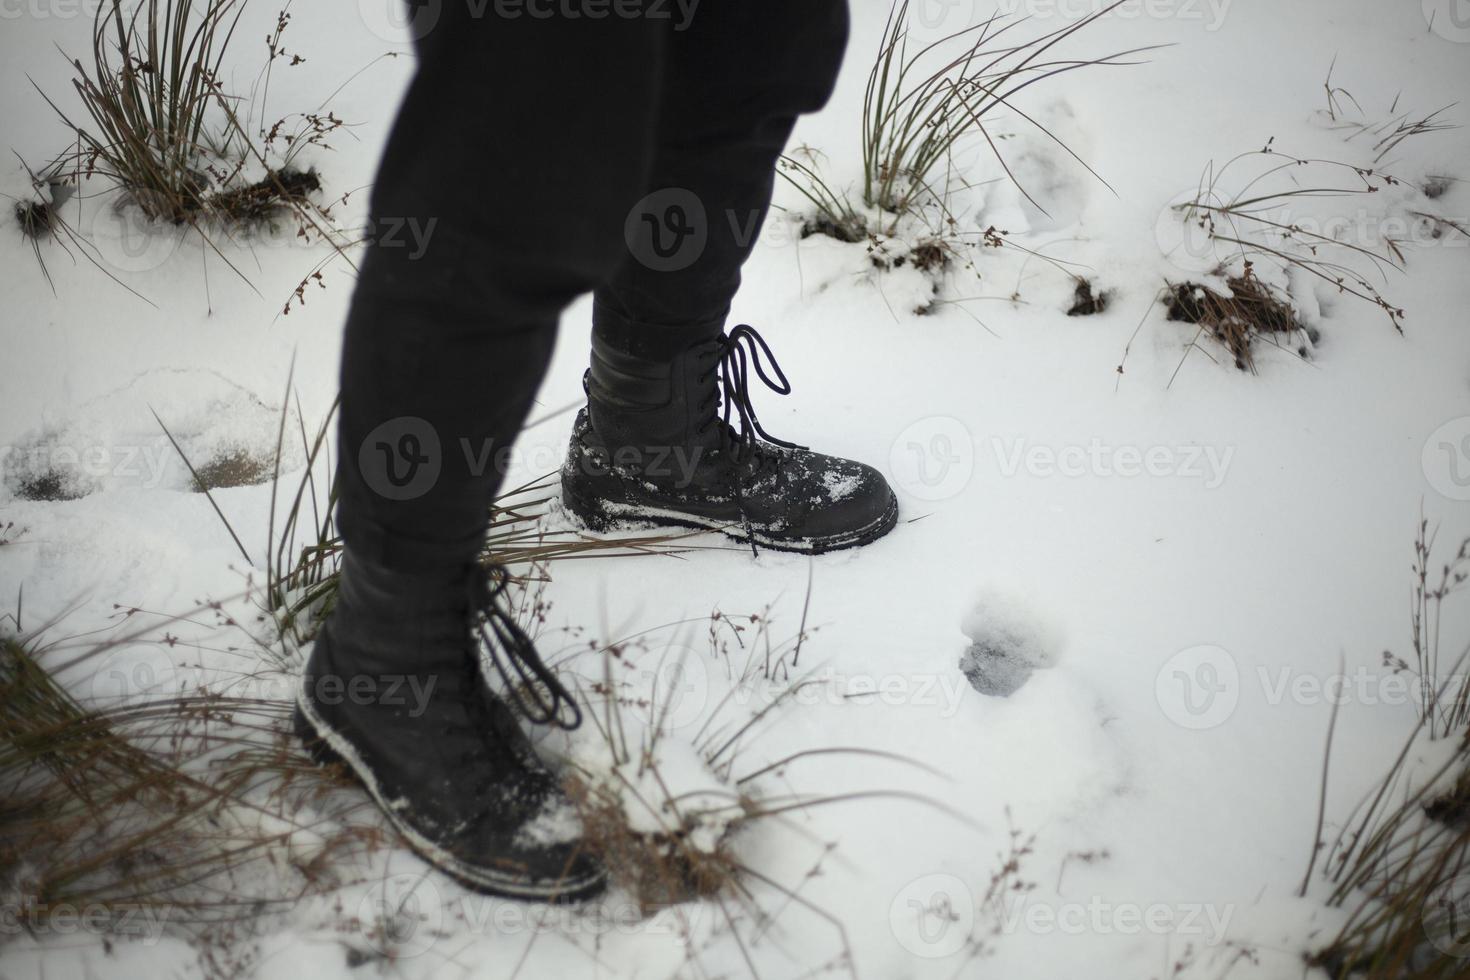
[
  {"x": 520, "y": 145},
  {"x": 650, "y": 448},
  {"x": 518, "y": 149},
  {"x": 737, "y": 78}
]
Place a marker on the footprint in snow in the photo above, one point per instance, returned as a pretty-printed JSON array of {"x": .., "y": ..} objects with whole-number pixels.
[{"x": 1008, "y": 642}]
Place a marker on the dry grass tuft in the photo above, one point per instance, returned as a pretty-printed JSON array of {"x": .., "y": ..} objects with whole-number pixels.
[
  {"x": 924, "y": 102},
  {"x": 166, "y": 137},
  {"x": 672, "y": 802},
  {"x": 35, "y": 218},
  {"x": 278, "y": 192},
  {"x": 1400, "y": 864},
  {"x": 1252, "y": 311},
  {"x": 1269, "y": 222},
  {"x": 170, "y": 813},
  {"x": 657, "y": 869}
]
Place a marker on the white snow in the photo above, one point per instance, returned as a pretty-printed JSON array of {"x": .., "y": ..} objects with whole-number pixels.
[{"x": 1196, "y": 553}]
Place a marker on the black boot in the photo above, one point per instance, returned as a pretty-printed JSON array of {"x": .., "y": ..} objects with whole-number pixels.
[
  {"x": 655, "y": 447},
  {"x": 394, "y": 690}
]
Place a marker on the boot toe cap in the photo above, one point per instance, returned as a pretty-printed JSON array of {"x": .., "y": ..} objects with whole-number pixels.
[{"x": 848, "y": 500}]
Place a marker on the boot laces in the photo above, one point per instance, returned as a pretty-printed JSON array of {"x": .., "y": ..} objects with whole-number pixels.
[
  {"x": 529, "y": 684},
  {"x": 740, "y": 351}
]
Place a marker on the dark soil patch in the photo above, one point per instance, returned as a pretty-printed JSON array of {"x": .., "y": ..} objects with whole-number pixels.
[
  {"x": 1087, "y": 300},
  {"x": 235, "y": 468},
  {"x": 823, "y": 225},
  {"x": 50, "y": 487}
]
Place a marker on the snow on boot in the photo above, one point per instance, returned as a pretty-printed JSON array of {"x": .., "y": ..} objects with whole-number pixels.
[
  {"x": 655, "y": 447},
  {"x": 394, "y": 690}
]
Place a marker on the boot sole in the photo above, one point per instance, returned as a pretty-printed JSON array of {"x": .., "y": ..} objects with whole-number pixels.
[
  {"x": 328, "y": 748},
  {"x": 607, "y": 515}
]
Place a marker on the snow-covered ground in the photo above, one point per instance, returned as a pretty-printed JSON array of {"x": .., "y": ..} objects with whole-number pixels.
[{"x": 1196, "y": 554}]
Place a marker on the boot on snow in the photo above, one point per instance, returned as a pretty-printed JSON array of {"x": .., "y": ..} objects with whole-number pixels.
[
  {"x": 394, "y": 690},
  {"x": 656, "y": 447}
]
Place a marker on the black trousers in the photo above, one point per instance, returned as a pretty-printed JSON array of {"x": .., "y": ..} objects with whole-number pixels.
[{"x": 542, "y": 152}]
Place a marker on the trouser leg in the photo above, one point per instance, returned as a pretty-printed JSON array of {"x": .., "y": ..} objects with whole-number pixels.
[
  {"x": 734, "y": 83},
  {"x": 517, "y": 152}
]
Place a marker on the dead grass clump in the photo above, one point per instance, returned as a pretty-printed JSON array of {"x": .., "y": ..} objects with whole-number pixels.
[
  {"x": 657, "y": 869},
  {"x": 152, "y": 93},
  {"x": 1272, "y": 220},
  {"x": 35, "y": 218},
  {"x": 277, "y": 193},
  {"x": 924, "y": 102},
  {"x": 182, "y": 811},
  {"x": 1400, "y": 865},
  {"x": 929, "y": 256},
  {"x": 169, "y": 138},
  {"x": 95, "y": 817},
  {"x": 1251, "y": 312}
]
